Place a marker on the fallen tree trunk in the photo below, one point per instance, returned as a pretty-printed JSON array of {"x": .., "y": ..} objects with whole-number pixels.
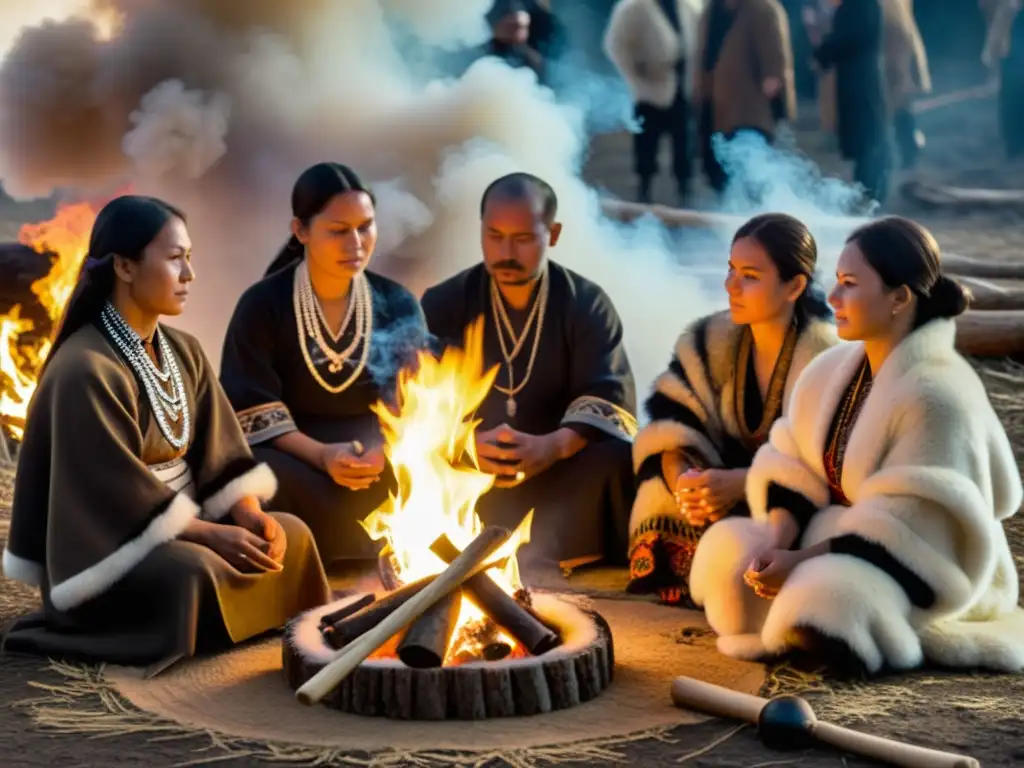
[
  {"x": 625, "y": 211},
  {"x": 989, "y": 296},
  {"x": 938, "y": 196},
  {"x": 991, "y": 334},
  {"x": 962, "y": 266}
]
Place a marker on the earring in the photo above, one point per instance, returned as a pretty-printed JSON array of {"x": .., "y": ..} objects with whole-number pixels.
[{"x": 895, "y": 312}]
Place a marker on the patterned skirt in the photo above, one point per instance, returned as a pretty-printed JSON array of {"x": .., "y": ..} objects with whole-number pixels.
[{"x": 661, "y": 554}]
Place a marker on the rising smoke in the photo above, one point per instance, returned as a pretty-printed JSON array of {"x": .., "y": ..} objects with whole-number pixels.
[{"x": 218, "y": 105}]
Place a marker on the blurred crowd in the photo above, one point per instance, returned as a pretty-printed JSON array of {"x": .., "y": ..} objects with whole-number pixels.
[{"x": 704, "y": 72}]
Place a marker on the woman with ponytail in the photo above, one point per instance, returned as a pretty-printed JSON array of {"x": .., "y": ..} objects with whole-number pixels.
[
  {"x": 729, "y": 379},
  {"x": 310, "y": 348},
  {"x": 137, "y": 500},
  {"x": 876, "y": 539}
]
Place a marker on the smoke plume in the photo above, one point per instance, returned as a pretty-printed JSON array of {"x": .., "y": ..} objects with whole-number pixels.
[{"x": 218, "y": 105}]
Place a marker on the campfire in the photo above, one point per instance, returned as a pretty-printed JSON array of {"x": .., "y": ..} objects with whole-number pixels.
[
  {"x": 456, "y": 633},
  {"x": 24, "y": 346}
]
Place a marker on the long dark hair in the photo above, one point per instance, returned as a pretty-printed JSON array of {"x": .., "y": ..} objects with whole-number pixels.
[
  {"x": 124, "y": 227},
  {"x": 793, "y": 250},
  {"x": 903, "y": 252},
  {"x": 313, "y": 190}
]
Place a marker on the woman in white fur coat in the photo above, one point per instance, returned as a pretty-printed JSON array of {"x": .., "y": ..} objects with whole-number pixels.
[
  {"x": 713, "y": 407},
  {"x": 896, "y": 553}
]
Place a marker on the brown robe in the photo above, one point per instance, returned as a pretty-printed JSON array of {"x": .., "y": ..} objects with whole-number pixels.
[
  {"x": 101, "y": 498},
  {"x": 756, "y": 47}
]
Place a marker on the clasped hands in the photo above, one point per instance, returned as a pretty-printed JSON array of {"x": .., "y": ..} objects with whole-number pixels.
[
  {"x": 255, "y": 543},
  {"x": 705, "y": 496},
  {"x": 514, "y": 457}
]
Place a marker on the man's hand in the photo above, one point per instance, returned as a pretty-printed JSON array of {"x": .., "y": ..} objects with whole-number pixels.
[
  {"x": 514, "y": 457},
  {"x": 706, "y": 496},
  {"x": 351, "y": 467}
]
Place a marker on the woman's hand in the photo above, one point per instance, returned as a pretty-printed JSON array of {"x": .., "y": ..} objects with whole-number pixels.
[
  {"x": 768, "y": 572},
  {"x": 705, "y": 496},
  {"x": 241, "y": 548},
  {"x": 248, "y": 514},
  {"x": 351, "y": 467}
]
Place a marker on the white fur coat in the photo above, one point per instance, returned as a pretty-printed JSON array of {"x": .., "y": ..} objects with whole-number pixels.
[
  {"x": 705, "y": 354},
  {"x": 930, "y": 476},
  {"x": 642, "y": 44}
]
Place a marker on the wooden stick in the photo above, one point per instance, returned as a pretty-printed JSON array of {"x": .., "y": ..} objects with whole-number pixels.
[
  {"x": 471, "y": 561},
  {"x": 723, "y": 702},
  {"x": 328, "y": 619}
]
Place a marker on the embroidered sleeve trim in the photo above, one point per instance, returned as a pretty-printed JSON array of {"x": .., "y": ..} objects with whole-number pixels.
[
  {"x": 601, "y": 414},
  {"x": 265, "y": 422}
]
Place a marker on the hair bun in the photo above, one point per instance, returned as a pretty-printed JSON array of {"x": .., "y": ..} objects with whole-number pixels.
[{"x": 948, "y": 298}]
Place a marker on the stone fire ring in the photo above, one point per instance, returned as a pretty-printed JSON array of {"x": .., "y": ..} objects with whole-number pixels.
[{"x": 575, "y": 672}]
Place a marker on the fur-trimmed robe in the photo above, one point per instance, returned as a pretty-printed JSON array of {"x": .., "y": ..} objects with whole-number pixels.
[
  {"x": 101, "y": 497},
  {"x": 642, "y": 44},
  {"x": 698, "y": 392},
  {"x": 919, "y": 566}
]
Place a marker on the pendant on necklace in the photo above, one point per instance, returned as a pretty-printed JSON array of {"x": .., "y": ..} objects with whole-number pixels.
[
  {"x": 510, "y": 407},
  {"x": 334, "y": 367}
]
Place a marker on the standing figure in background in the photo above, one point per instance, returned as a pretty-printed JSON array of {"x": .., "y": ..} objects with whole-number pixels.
[
  {"x": 743, "y": 77},
  {"x": 1004, "y": 52},
  {"x": 728, "y": 381},
  {"x": 906, "y": 75},
  {"x": 137, "y": 501},
  {"x": 652, "y": 43},
  {"x": 854, "y": 48},
  {"x": 310, "y": 348},
  {"x": 557, "y": 426}
]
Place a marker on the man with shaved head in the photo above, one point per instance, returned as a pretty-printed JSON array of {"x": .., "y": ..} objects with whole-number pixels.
[{"x": 558, "y": 424}]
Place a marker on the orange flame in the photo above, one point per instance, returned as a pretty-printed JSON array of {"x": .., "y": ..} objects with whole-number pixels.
[
  {"x": 427, "y": 442},
  {"x": 66, "y": 236}
]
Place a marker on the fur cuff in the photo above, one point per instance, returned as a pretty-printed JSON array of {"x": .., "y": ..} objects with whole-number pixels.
[
  {"x": 98, "y": 578},
  {"x": 773, "y": 466},
  {"x": 258, "y": 481},
  {"x": 660, "y": 436},
  {"x": 19, "y": 569},
  {"x": 849, "y": 600}
]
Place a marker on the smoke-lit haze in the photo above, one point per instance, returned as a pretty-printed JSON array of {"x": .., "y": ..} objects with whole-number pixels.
[{"x": 218, "y": 105}]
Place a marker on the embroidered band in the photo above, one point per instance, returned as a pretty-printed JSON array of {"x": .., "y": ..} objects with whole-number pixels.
[
  {"x": 176, "y": 475},
  {"x": 265, "y": 422},
  {"x": 602, "y": 414}
]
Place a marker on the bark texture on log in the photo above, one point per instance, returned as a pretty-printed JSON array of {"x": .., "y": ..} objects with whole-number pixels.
[
  {"x": 991, "y": 334},
  {"x": 554, "y": 681}
]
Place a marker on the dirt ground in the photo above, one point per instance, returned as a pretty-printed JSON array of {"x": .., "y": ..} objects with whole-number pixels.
[{"x": 975, "y": 714}]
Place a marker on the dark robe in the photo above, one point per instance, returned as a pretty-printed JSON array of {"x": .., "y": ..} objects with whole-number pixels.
[
  {"x": 708, "y": 405},
  {"x": 581, "y": 380},
  {"x": 854, "y": 48},
  {"x": 101, "y": 498},
  {"x": 271, "y": 389}
]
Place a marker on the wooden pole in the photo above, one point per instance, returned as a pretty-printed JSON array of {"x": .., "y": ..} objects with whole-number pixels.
[
  {"x": 723, "y": 702},
  {"x": 471, "y": 561}
]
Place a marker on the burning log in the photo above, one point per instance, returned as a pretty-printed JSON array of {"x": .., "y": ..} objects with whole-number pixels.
[
  {"x": 472, "y": 560},
  {"x": 427, "y": 640},
  {"x": 519, "y": 622},
  {"x": 480, "y": 641},
  {"x": 344, "y": 612}
]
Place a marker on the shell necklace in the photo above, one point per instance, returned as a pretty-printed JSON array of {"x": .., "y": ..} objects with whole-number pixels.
[
  {"x": 169, "y": 407},
  {"x": 503, "y": 325},
  {"x": 310, "y": 322}
]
